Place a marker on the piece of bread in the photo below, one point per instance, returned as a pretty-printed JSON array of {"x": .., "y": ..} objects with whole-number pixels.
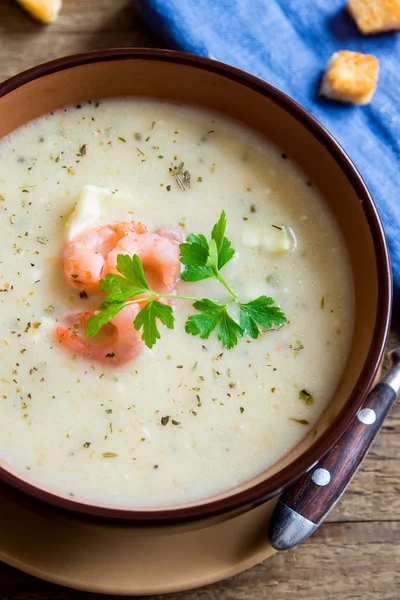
[
  {"x": 350, "y": 77},
  {"x": 374, "y": 16},
  {"x": 45, "y": 11}
]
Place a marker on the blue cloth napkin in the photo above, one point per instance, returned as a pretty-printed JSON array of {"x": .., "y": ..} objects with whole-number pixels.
[{"x": 287, "y": 43}]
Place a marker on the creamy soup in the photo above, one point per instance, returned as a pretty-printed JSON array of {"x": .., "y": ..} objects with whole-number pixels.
[{"x": 188, "y": 418}]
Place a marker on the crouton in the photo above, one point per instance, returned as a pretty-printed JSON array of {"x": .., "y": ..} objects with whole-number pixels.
[
  {"x": 374, "y": 16},
  {"x": 350, "y": 77},
  {"x": 45, "y": 11}
]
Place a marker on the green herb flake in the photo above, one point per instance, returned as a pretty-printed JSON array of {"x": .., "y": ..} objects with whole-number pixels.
[
  {"x": 322, "y": 302},
  {"x": 164, "y": 421},
  {"x": 109, "y": 455},
  {"x": 137, "y": 136},
  {"x": 241, "y": 409},
  {"x": 299, "y": 421},
  {"x": 175, "y": 422},
  {"x": 182, "y": 177},
  {"x": 306, "y": 397},
  {"x": 2, "y": 198},
  {"x": 121, "y": 139},
  {"x": 42, "y": 240},
  {"x": 199, "y": 179}
]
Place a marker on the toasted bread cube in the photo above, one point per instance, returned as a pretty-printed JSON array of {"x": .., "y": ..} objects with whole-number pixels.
[
  {"x": 374, "y": 16},
  {"x": 45, "y": 11},
  {"x": 350, "y": 77}
]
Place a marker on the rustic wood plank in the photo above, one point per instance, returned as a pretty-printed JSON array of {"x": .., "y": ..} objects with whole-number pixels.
[
  {"x": 354, "y": 555},
  {"x": 84, "y": 25},
  {"x": 76, "y": 16}
]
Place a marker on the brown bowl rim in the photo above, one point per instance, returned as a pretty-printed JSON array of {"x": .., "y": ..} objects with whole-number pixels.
[{"x": 276, "y": 483}]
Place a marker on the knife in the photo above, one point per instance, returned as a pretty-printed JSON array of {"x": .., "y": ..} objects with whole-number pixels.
[{"x": 304, "y": 506}]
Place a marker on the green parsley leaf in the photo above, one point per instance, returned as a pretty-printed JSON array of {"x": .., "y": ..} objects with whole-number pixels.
[
  {"x": 229, "y": 331},
  {"x": 147, "y": 318},
  {"x": 198, "y": 239},
  {"x": 194, "y": 258},
  {"x": 194, "y": 254},
  {"x": 96, "y": 322},
  {"x": 203, "y": 259},
  {"x": 197, "y": 273},
  {"x": 213, "y": 315},
  {"x": 260, "y": 312},
  {"x": 119, "y": 289},
  {"x": 133, "y": 282},
  {"x": 204, "y": 324},
  {"x": 132, "y": 269},
  {"x": 218, "y": 231},
  {"x": 212, "y": 260},
  {"x": 225, "y": 253}
]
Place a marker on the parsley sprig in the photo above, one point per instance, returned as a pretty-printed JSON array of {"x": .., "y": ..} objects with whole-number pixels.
[{"x": 202, "y": 259}]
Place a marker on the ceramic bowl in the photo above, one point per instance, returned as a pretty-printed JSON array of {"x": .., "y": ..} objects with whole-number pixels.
[{"x": 181, "y": 77}]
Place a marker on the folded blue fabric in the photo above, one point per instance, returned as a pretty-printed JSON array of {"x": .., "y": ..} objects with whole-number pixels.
[{"x": 287, "y": 43}]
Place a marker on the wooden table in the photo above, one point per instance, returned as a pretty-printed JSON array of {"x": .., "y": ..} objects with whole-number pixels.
[{"x": 356, "y": 554}]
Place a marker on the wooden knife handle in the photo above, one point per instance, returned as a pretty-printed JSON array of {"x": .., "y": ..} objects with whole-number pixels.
[{"x": 303, "y": 506}]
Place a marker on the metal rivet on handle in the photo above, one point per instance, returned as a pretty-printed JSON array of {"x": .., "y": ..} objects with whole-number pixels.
[
  {"x": 321, "y": 477},
  {"x": 367, "y": 416}
]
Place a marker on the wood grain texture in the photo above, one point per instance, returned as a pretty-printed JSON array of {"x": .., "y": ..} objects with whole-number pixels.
[{"x": 356, "y": 554}]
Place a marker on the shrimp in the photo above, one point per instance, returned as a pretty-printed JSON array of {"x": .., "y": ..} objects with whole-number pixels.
[
  {"x": 171, "y": 234},
  {"x": 117, "y": 342},
  {"x": 92, "y": 255},
  {"x": 84, "y": 257},
  {"x": 159, "y": 255}
]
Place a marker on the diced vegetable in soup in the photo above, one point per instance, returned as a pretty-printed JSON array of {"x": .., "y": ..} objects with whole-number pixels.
[{"x": 176, "y": 306}]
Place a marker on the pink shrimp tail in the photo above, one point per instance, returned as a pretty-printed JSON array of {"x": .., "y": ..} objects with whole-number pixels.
[{"x": 118, "y": 341}]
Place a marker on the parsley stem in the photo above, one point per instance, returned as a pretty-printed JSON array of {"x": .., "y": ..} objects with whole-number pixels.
[
  {"x": 153, "y": 295},
  {"x": 222, "y": 280},
  {"x": 178, "y": 297}
]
